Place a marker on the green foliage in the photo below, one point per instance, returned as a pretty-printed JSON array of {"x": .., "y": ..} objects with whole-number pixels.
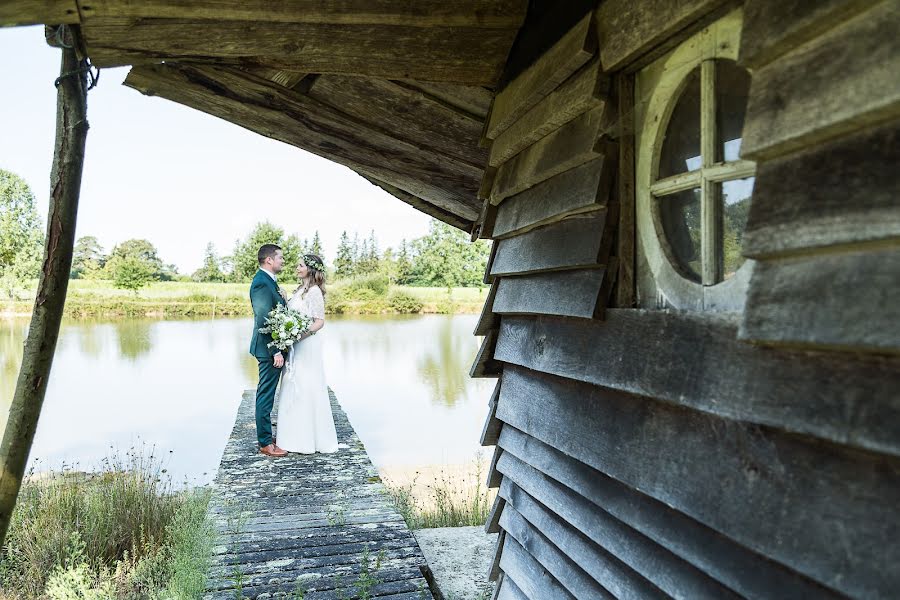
[
  {"x": 120, "y": 533},
  {"x": 21, "y": 236},
  {"x": 404, "y": 303},
  {"x": 139, "y": 251},
  {"x": 447, "y": 258},
  {"x": 88, "y": 258},
  {"x": 244, "y": 258},
  {"x": 343, "y": 261},
  {"x": 211, "y": 269},
  {"x": 315, "y": 247},
  {"x": 130, "y": 273}
]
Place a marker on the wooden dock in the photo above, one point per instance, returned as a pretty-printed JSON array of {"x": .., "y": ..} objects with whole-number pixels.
[{"x": 308, "y": 526}]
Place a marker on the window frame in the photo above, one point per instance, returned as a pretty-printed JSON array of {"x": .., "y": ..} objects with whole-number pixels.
[{"x": 658, "y": 87}]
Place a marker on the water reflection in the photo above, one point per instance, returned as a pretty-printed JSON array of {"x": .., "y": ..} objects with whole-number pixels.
[{"x": 176, "y": 385}]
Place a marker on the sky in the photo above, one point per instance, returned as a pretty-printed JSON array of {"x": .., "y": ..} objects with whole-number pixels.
[{"x": 180, "y": 178}]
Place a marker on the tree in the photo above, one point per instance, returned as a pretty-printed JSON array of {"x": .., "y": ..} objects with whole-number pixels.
[
  {"x": 211, "y": 269},
  {"x": 343, "y": 260},
  {"x": 244, "y": 258},
  {"x": 403, "y": 265},
  {"x": 131, "y": 273},
  {"x": 144, "y": 252},
  {"x": 316, "y": 246},
  {"x": 88, "y": 258},
  {"x": 447, "y": 258},
  {"x": 21, "y": 236}
]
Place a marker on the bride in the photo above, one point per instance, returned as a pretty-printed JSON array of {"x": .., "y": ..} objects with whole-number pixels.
[{"x": 305, "y": 423}]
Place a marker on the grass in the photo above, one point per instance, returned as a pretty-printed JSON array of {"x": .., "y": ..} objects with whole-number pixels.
[
  {"x": 121, "y": 533},
  {"x": 175, "y": 299},
  {"x": 445, "y": 498}
]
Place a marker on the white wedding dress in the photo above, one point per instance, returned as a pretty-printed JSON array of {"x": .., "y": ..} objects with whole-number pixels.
[{"x": 305, "y": 423}]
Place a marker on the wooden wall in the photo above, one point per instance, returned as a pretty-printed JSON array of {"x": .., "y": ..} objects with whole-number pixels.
[{"x": 659, "y": 454}]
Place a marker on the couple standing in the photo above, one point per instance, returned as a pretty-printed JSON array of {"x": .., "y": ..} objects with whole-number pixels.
[{"x": 305, "y": 423}]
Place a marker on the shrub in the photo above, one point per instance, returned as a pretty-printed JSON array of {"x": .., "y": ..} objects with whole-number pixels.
[{"x": 404, "y": 303}]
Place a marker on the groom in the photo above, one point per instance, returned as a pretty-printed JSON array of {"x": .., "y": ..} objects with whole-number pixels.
[{"x": 264, "y": 296}]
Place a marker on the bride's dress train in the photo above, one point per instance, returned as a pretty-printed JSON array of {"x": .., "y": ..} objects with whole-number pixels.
[{"x": 305, "y": 422}]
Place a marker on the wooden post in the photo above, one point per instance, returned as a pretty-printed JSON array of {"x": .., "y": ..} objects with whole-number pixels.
[{"x": 65, "y": 187}]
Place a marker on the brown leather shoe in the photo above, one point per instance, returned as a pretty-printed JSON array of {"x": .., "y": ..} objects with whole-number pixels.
[{"x": 272, "y": 450}]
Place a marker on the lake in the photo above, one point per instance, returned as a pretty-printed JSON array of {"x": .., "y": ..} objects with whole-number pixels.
[{"x": 174, "y": 386}]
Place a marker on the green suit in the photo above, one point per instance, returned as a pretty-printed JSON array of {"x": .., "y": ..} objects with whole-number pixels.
[{"x": 264, "y": 297}]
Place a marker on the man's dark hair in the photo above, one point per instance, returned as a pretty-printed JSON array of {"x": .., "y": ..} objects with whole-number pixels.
[{"x": 266, "y": 251}]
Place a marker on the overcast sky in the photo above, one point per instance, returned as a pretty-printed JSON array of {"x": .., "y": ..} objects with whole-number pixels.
[{"x": 175, "y": 176}]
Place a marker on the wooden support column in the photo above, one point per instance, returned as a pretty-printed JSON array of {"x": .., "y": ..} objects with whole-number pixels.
[{"x": 65, "y": 187}]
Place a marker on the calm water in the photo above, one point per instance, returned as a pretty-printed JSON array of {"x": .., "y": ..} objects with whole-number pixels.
[{"x": 176, "y": 385}]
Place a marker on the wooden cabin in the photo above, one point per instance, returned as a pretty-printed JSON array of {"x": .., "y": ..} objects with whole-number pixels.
[{"x": 694, "y": 313}]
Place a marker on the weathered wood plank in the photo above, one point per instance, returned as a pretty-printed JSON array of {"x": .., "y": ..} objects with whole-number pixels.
[
  {"x": 846, "y": 301},
  {"x": 580, "y": 293},
  {"x": 457, "y": 219},
  {"x": 508, "y": 590},
  {"x": 606, "y": 569},
  {"x": 570, "y": 146},
  {"x": 504, "y": 14},
  {"x": 847, "y": 400},
  {"x": 747, "y": 573},
  {"x": 38, "y": 12},
  {"x": 626, "y": 233},
  {"x": 488, "y": 321},
  {"x": 495, "y": 572},
  {"x": 485, "y": 365},
  {"x": 474, "y": 101},
  {"x": 582, "y": 189},
  {"x": 488, "y": 278},
  {"x": 267, "y": 108},
  {"x": 838, "y": 83},
  {"x": 405, "y": 114},
  {"x": 492, "y": 523},
  {"x": 583, "y": 91},
  {"x": 579, "y": 241},
  {"x": 841, "y": 193},
  {"x": 799, "y": 502},
  {"x": 561, "y": 567},
  {"x": 629, "y": 30},
  {"x": 775, "y": 27},
  {"x": 543, "y": 76},
  {"x": 491, "y": 432},
  {"x": 494, "y": 476},
  {"x": 465, "y": 55},
  {"x": 528, "y": 574}
]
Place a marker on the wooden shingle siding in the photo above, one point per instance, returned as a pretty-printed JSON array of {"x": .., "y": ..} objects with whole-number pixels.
[
  {"x": 488, "y": 320},
  {"x": 833, "y": 85},
  {"x": 580, "y": 241},
  {"x": 582, "y": 189},
  {"x": 796, "y": 493},
  {"x": 844, "y": 193},
  {"x": 845, "y": 301},
  {"x": 581, "y": 293},
  {"x": 664, "y": 355},
  {"x": 485, "y": 365},
  {"x": 528, "y": 574},
  {"x": 491, "y": 431}
]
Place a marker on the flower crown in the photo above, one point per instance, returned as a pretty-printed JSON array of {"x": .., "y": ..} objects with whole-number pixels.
[{"x": 313, "y": 261}]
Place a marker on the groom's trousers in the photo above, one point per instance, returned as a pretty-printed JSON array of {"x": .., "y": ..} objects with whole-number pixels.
[{"x": 265, "y": 400}]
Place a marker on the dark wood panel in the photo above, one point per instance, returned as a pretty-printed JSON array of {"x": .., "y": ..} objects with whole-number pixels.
[
  {"x": 841, "y": 81},
  {"x": 441, "y": 214},
  {"x": 405, "y": 114},
  {"x": 543, "y": 76},
  {"x": 493, "y": 476},
  {"x": 622, "y": 581},
  {"x": 488, "y": 321},
  {"x": 579, "y": 241},
  {"x": 471, "y": 100},
  {"x": 529, "y": 576},
  {"x": 572, "y": 145},
  {"x": 38, "y": 12},
  {"x": 492, "y": 523},
  {"x": 774, "y": 27},
  {"x": 848, "y": 301},
  {"x": 274, "y": 111},
  {"x": 580, "y": 294},
  {"x": 491, "y": 432},
  {"x": 504, "y": 14},
  {"x": 586, "y": 89},
  {"x": 628, "y": 30},
  {"x": 655, "y": 563},
  {"x": 800, "y": 502},
  {"x": 495, "y": 572},
  {"x": 841, "y": 193},
  {"x": 485, "y": 365},
  {"x": 627, "y": 233},
  {"x": 696, "y": 361},
  {"x": 561, "y": 567},
  {"x": 465, "y": 55},
  {"x": 582, "y": 189}
]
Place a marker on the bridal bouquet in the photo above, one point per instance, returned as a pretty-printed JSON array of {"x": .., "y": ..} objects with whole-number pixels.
[{"x": 285, "y": 326}]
